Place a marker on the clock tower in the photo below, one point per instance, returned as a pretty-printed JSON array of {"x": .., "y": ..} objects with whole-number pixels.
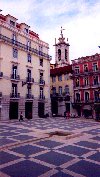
[{"x": 61, "y": 51}]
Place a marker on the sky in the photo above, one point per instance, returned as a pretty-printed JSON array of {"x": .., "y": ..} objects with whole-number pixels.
[{"x": 79, "y": 18}]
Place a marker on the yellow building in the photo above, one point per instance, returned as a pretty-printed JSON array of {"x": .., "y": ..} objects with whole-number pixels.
[
  {"x": 24, "y": 71},
  {"x": 61, "y": 90}
]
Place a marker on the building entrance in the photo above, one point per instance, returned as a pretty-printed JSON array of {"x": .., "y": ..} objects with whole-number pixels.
[
  {"x": 28, "y": 110},
  {"x": 40, "y": 109},
  {"x": 13, "y": 110},
  {"x": 67, "y": 107},
  {"x": 54, "y": 107}
]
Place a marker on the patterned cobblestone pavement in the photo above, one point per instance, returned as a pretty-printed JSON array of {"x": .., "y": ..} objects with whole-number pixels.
[{"x": 27, "y": 149}]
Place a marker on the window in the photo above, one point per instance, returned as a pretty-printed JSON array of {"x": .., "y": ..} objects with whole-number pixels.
[
  {"x": 53, "y": 79},
  {"x": 26, "y": 30},
  {"x": 41, "y": 76},
  {"x": 14, "y": 38},
  {"x": 29, "y": 89},
  {"x": 77, "y": 82},
  {"x": 28, "y": 75},
  {"x": 60, "y": 90},
  {"x": 41, "y": 92},
  {"x": 77, "y": 97},
  {"x": 85, "y": 68},
  {"x": 41, "y": 62},
  {"x": 86, "y": 81},
  {"x": 59, "y": 54},
  {"x": 14, "y": 89},
  {"x": 67, "y": 89},
  {"x": 97, "y": 95},
  {"x": 76, "y": 69},
  {"x": 60, "y": 78},
  {"x": 54, "y": 90},
  {"x": 12, "y": 23},
  {"x": 40, "y": 48},
  {"x": 65, "y": 54},
  {"x": 95, "y": 67},
  {"x": 66, "y": 76},
  {"x": 96, "y": 80},
  {"x": 29, "y": 57},
  {"x": 15, "y": 53},
  {"x": 86, "y": 96},
  {"x": 28, "y": 44},
  {"x": 14, "y": 70}
]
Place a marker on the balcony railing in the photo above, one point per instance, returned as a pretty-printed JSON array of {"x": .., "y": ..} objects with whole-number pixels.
[
  {"x": 88, "y": 72},
  {"x": 97, "y": 100},
  {"x": 1, "y": 74},
  {"x": 29, "y": 96},
  {"x": 41, "y": 82},
  {"x": 24, "y": 47},
  {"x": 41, "y": 97},
  {"x": 15, "y": 77},
  {"x": 29, "y": 79},
  {"x": 15, "y": 95}
]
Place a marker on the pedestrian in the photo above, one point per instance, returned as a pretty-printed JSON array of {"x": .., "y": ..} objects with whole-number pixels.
[
  {"x": 21, "y": 116},
  {"x": 68, "y": 114}
]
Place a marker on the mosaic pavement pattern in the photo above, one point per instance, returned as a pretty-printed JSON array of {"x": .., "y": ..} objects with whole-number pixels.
[{"x": 27, "y": 150}]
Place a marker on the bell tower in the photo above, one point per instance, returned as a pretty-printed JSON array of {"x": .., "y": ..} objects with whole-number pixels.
[{"x": 61, "y": 51}]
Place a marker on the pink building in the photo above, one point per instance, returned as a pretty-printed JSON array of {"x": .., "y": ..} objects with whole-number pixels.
[{"x": 86, "y": 82}]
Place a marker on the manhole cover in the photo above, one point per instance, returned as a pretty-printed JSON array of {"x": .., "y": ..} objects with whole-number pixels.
[{"x": 59, "y": 133}]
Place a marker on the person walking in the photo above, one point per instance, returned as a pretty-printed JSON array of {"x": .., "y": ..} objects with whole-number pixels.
[{"x": 21, "y": 116}]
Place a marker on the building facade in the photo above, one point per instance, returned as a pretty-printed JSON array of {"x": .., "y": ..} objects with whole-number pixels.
[
  {"x": 61, "y": 90},
  {"x": 86, "y": 81},
  {"x": 24, "y": 71}
]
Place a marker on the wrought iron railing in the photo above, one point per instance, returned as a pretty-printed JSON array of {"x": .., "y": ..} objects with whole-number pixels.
[
  {"x": 14, "y": 95},
  {"x": 15, "y": 77},
  {"x": 23, "y": 46},
  {"x": 29, "y": 79},
  {"x": 29, "y": 96}
]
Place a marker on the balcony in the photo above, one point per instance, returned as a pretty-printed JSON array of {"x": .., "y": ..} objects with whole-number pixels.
[
  {"x": 77, "y": 101},
  {"x": 97, "y": 100},
  {"x": 67, "y": 98},
  {"x": 0, "y": 94},
  {"x": 15, "y": 77},
  {"x": 29, "y": 96},
  {"x": 15, "y": 95},
  {"x": 41, "y": 97},
  {"x": 24, "y": 47},
  {"x": 41, "y": 82},
  {"x": 85, "y": 73},
  {"x": 29, "y": 80},
  {"x": 1, "y": 75}
]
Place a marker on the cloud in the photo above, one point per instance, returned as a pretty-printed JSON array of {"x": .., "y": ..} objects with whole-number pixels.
[{"x": 80, "y": 18}]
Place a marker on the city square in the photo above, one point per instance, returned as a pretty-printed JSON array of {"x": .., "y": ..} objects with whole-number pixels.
[{"x": 35, "y": 148}]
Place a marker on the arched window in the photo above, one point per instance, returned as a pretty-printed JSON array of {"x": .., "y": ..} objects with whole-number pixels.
[
  {"x": 65, "y": 54},
  {"x": 59, "y": 54}
]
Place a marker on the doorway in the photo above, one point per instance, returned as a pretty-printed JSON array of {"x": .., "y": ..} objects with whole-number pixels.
[
  {"x": 67, "y": 107},
  {"x": 28, "y": 110},
  {"x": 40, "y": 109},
  {"x": 13, "y": 110}
]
